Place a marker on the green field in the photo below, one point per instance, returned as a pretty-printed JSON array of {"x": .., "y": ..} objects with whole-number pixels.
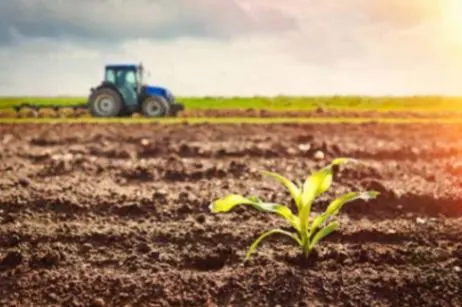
[{"x": 282, "y": 103}]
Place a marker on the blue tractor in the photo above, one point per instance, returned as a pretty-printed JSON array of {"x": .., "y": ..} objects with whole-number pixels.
[{"x": 122, "y": 93}]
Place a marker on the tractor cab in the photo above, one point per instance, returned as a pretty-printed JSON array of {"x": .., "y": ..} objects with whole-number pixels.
[
  {"x": 122, "y": 93},
  {"x": 124, "y": 75}
]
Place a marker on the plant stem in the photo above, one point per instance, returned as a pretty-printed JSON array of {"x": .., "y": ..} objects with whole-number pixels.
[{"x": 306, "y": 246}]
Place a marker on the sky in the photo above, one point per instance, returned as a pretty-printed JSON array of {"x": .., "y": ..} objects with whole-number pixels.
[{"x": 235, "y": 47}]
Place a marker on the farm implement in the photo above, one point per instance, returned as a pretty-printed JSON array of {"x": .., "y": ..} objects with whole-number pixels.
[{"x": 120, "y": 94}]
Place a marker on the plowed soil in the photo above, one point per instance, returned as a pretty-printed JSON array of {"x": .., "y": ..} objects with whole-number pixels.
[
  {"x": 253, "y": 113},
  {"x": 115, "y": 215}
]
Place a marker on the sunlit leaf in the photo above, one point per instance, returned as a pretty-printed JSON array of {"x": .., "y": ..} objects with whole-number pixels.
[
  {"x": 255, "y": 243},
  {"x": 282, "y": 210},
  {"x": 255, "y": 199},
  {"x": 328, "y": 172},
  {"x": 323, "y": 233},
  {"x": 229, "y": 202},
  {"x": 316, "y": 223},
  {"x": 335, "y": 206},
  {"x": 310, "y": 187},
  {"x": 326, "y": 181},
  {"x": 293, "y": 189},
  {"x": 340, "y": 161}
]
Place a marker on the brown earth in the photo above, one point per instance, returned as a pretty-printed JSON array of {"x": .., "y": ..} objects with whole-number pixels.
[
  {"x": 320, "y": 112},
  {"x": 117, "y": 215},
  {"x": 261, "y": 113}
]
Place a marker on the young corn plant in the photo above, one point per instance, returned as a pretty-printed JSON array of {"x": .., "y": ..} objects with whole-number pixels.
[{"x": 308, "y": 231}]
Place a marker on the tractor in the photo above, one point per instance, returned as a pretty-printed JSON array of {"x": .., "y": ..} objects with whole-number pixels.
[{"x": 122, "y": 93}]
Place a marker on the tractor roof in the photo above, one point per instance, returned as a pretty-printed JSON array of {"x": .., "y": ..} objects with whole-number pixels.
[{"x": 122, "y": 66}]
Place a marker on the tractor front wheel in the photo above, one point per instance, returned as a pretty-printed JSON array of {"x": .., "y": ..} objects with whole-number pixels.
[
  {"x": 155, "y": 106},
  {"x": 105, "y": 103}
]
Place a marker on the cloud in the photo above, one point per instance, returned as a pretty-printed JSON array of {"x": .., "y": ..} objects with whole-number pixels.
[
  {"x": 116, "y": 20},
  {"x": 240, "y": 47}
]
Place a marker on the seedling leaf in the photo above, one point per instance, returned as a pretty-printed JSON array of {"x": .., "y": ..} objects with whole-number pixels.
[
  {"x": 323, "y": 233},
  {"x": 228, "y": 203},
  {"x": 328, "y": 174},
  {"x": 335, "y": 206},
  {"x": 282, "y": 211},
  {"x": 293, "y": 189},
  {"x": 255, "y": 243},
  {"x": 340, "y": 161},
  {"x": 310, "y": 187}
]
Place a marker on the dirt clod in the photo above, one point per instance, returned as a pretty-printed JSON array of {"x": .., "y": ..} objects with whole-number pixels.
[
  {"x": 24, "y": 182},
  {"x": 319, "y": 155},
  {"x": 98, "y": 302},
  {"x": 47, "y": 259},
  {"x": 11, "y": 260}
]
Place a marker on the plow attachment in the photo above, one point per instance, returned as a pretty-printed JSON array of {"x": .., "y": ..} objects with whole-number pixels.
[
  {"x": 31, "y": 110},
  {"x": 44, "y": 110}
]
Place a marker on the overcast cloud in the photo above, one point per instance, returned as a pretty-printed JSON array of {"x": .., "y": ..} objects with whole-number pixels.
[{"x": 240, "y": 47}]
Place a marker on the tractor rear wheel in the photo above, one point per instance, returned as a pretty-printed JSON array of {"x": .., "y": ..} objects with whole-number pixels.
[
  {"x": 155, "y": 106},
  {"x": 105, "y": 103}
]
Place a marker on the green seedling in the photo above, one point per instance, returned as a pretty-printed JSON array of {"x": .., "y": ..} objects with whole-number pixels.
[{"x": 309, "y": 231}]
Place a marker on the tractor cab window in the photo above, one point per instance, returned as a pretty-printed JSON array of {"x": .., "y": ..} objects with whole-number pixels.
[
  {"x": 121, "y": 77},
  {"x": 110, "y": 76},
  {"x": 130, "y": 77}
]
